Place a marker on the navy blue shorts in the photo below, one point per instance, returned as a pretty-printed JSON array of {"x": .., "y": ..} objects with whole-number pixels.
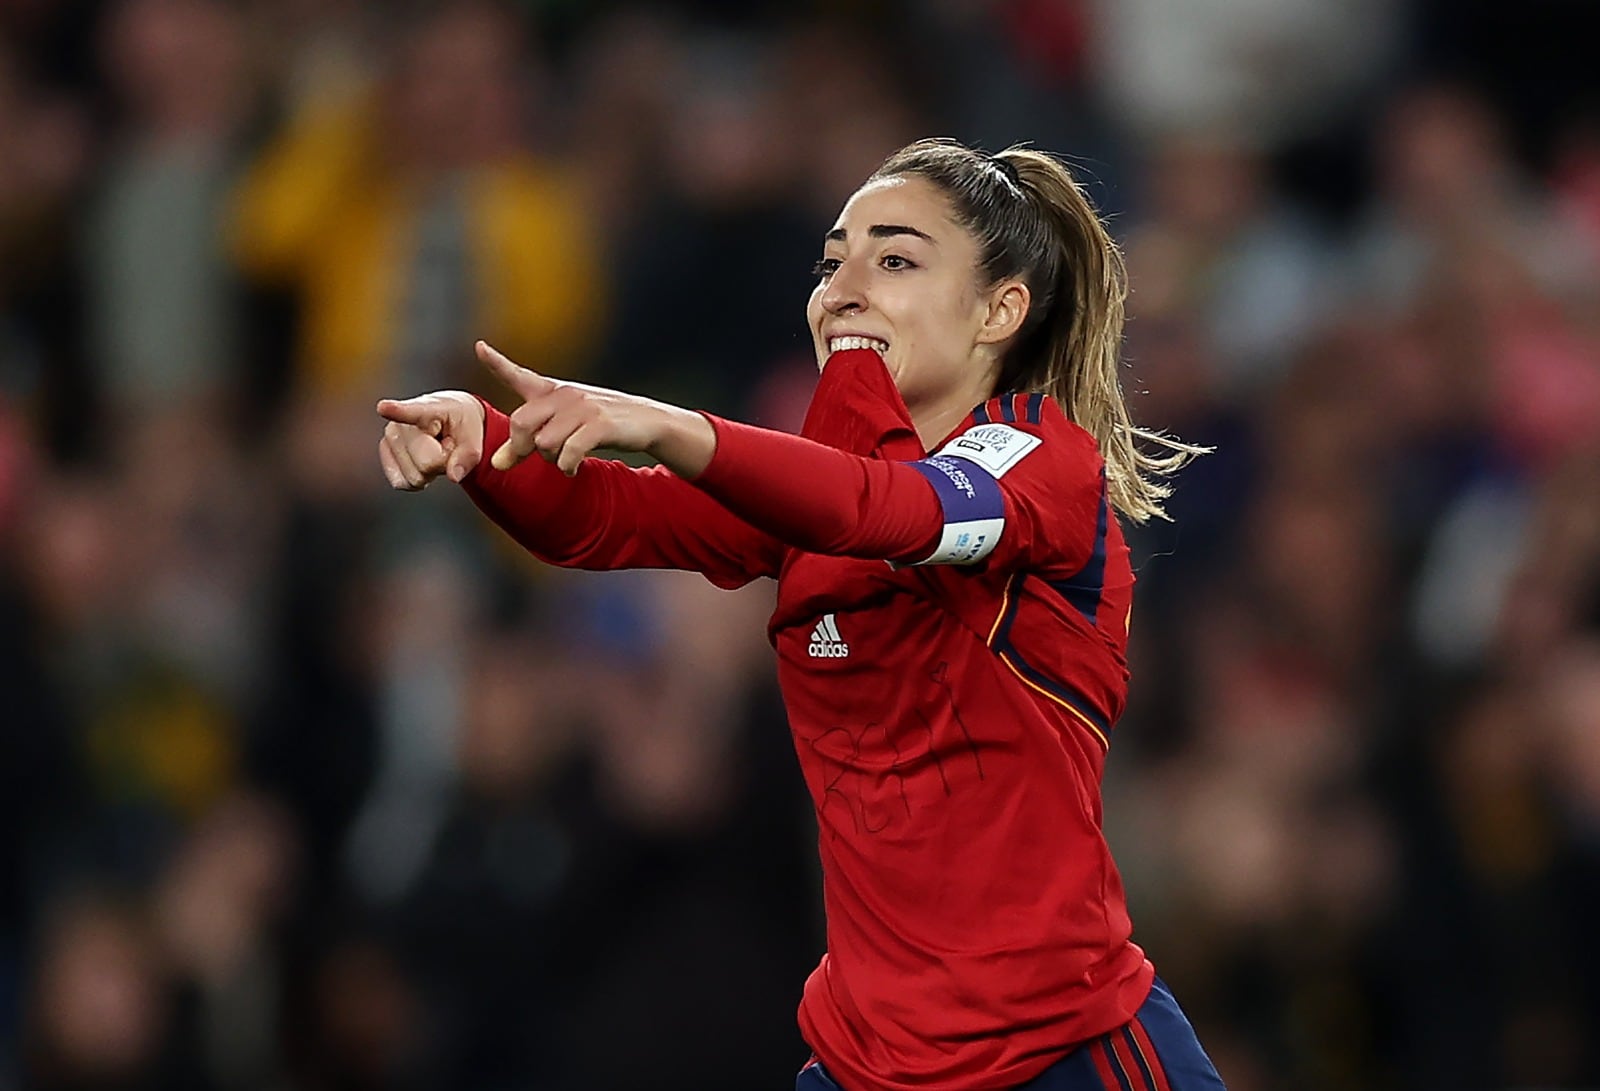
[{"x": 1157, "y": 1051}]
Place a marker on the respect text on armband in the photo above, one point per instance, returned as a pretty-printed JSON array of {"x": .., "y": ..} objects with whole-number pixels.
[{"x": 958, "y": 477}]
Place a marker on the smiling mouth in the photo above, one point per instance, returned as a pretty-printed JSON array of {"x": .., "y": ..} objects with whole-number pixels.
[{"x": 840, "y": 344}]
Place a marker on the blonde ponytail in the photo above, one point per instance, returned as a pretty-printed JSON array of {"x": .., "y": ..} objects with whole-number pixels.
[{"x": 1078, "y": 358}]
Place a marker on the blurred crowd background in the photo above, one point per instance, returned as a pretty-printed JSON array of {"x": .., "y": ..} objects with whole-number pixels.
[{"x": 306, "y": 785}]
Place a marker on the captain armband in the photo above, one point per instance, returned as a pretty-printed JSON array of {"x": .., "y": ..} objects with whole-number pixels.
[{"x": 965, "y": 475}]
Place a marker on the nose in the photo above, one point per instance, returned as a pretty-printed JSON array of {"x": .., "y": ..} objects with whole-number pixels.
[{"x": 845, "y": 293}]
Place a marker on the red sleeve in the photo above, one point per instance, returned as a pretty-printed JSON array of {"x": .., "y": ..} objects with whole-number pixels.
[
  {"x": 613, "y": 516},
  {"x": 1022, "y": 492},
  {"x": 822, "y": 500},
  {"x": 1050, "y": 474}
]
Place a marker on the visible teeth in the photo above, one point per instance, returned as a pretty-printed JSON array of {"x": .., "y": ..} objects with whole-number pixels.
[{"x": 839, "y": 344}]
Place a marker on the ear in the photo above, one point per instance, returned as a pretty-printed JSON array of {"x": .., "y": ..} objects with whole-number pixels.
[{"x": 1005, "y": 312}]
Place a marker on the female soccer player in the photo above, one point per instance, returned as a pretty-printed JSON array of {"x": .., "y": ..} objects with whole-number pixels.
[{"x": 952, "y": 612}]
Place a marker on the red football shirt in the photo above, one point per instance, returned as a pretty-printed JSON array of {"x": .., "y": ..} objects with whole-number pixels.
[{"x": 951, "y": 710}]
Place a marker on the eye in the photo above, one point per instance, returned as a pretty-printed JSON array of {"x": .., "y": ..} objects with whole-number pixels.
[
  {"x": 895, "y": 263},
  {"x": 825, "y": 267}
]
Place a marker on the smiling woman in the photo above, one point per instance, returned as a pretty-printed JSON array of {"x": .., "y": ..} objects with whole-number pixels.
[{"x": 952, "y": 709}]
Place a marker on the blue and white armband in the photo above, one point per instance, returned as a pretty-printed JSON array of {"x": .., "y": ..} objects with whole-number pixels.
[{"x": 965, "y": 475}]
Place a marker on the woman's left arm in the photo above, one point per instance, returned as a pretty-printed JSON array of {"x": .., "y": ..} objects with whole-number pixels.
[{"x": 810, "y": 496}]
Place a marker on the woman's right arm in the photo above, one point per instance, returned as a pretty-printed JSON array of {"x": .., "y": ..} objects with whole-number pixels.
[{"x": 610, "y": 516}]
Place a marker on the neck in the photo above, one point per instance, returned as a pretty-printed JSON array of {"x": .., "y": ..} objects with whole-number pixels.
[{"x": 936, "y": 418}]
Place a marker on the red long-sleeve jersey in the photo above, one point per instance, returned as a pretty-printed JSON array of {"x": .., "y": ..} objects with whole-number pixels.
[{"x": 950, "y": 631}]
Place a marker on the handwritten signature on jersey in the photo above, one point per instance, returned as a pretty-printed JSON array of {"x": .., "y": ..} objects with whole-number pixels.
[{"x": 880, "y": 771}]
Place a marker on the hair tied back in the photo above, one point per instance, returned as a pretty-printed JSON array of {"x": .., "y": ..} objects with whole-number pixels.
[{"x": 1007, "y": 168}]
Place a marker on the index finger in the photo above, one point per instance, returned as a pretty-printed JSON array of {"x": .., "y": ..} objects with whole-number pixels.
[
  {"x": 520, "y": 379},
  {"x": 414, "y": 411}
]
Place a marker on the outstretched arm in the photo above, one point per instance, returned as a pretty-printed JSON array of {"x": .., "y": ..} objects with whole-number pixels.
[
  {"x": 612, "y": 516},
  {"x": 802, "y": 493}
]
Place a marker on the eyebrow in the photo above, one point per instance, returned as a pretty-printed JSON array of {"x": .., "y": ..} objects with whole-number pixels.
[{"x": 882, "y": 231}]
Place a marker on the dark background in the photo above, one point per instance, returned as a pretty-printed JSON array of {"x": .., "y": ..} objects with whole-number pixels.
[{"x": 312, "y": 786}]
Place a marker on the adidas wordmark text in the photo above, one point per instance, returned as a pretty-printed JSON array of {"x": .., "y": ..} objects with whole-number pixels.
[{"x": 825, "y": 640}]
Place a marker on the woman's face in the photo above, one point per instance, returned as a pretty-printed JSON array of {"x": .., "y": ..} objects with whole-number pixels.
[{"x": 900, "y": 273}]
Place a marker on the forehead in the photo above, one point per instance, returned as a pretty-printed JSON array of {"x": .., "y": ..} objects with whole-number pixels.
[{"x": 907, "y": 199}]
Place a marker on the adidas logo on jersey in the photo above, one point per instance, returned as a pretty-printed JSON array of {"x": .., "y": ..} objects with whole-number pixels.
[{"x": 826, "y": 642}]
